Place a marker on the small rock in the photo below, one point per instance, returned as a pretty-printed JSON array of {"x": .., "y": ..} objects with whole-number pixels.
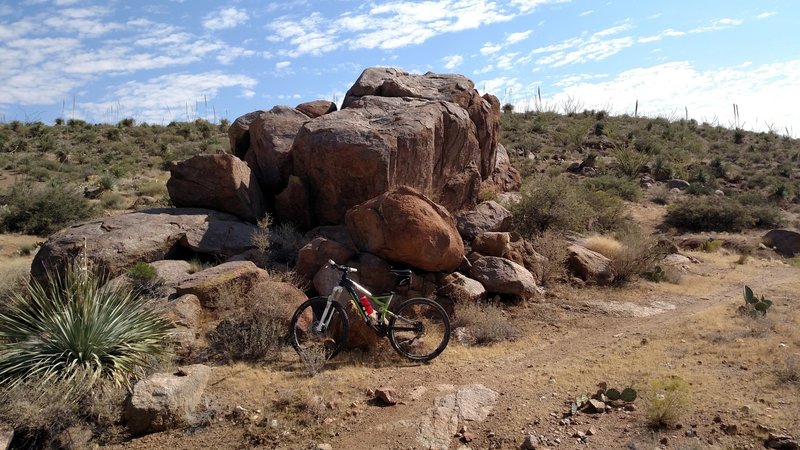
[
  {"x": 730, "y": 429},
  {"x": 664, "y": 441},
  {"x": 690, "y": 433},
  {"x": 596, "y": 406},
  {"x": 324, "y": 447},
  {"x": 530, "y": 442},
  {"x": 387, "y": 395},
  {"x": 781, "y": 442},
  {"x": 591, "y": 431},
  {"x": 717, "y": 419},
  {"x": 629, "y": 407},
  {"x": 467, "y": 437},
  {"x": 578, "y": 434}
]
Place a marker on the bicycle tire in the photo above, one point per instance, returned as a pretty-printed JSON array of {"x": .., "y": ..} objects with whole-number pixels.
[
  {"x": 304, "y": 338},
  {"x": 419, "y": 329}
]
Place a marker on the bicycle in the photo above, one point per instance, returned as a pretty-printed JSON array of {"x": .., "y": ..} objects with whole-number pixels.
[{"x": 418, "y": 328}]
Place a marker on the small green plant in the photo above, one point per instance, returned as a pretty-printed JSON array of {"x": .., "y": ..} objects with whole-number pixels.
[
  {"x": 753, "y": 305},
  {"x": 656, "y": 275},
  {"x": 75, "y": 325},
  {"x": 261, "y": 240},
  {"x": 667, "y": 401},
  {"x": 112, "y": 200},
  {"x": 144, "y": 279},
  {"x": 604, "y": 394},
  {"x": 711, "y": 245}
]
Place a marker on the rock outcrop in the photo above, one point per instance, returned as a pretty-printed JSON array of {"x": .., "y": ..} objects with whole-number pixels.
[
  {"x": 785, "y": 242},
  {"x": 220, "y": 182},
  {"x": 113, "y": 244},
  {"x": 590, "y": 266},
  {"x": 407, "y": 227},
  {"x": 502, "y": 276},
  {"x": 316, "y": 108},
  {"x": 483, "y": 111},
  {"x": 377, "y": 144},
  {"x": 271, "y": 137},
  {"x": 486, "y": 216}
]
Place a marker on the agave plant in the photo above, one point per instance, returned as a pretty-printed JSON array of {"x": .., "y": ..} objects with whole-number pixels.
[{"x": 75, "y": 326}]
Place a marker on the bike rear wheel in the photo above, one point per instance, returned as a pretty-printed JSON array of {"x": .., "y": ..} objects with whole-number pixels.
[
  {"x": 420, "y": 329},
  {"x": 309, "y": 339}
]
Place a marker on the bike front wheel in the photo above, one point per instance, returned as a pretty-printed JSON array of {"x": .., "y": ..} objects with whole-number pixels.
[
  {"x": 419, "y": 329},
  {"x": 315, "y": 336}
]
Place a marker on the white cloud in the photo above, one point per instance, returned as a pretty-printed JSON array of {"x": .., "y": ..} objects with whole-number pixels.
[
  {"x": 452, "y": 61},
  {"x": 231, "y": 54},
  {"x": 665, "y": 90},
  {"x": 505, "y": 61},
  {"x": 484, "y": 69},
  {"x": 280, "y": 65},
  {"x": 393, "y": 25},
  {"x": 718, "y": 24},
  {"x": 225, "y": 18},
  {"x": 586, "y": 13},
  {"x": 579, "y": 50},
  {"x": 766, "y": 14},
  {"x": 166, "y": 98},
  {"x": 657, "y": 37},
  {"x": 513, "y": 38},
  {"x": 489, "y": 48}
]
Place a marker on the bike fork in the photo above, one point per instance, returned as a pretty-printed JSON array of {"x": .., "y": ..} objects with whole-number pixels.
[{"x": 325, "y": 318}]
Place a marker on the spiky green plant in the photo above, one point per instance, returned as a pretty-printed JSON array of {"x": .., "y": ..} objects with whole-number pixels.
[{"x": 76, "y": 326}]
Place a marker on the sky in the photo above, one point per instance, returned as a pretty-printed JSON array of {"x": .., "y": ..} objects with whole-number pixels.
[{"x": 177, "y": 60}]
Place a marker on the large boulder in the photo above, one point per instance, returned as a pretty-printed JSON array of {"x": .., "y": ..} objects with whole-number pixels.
[
  {"x": 405, "y": 226},
  {"x": 293, "y": 204},
  {"x": 502, "y": 276},
  {"x": 224, "y": 286},
  {"x": 316, "y": 108},
  {"x": 166, "y": 400},
  {"x": 271, "y": 136},
  {"x": 484, "y": 111},
  {"x": 316, "y": 254},
  {"x": 491, "y": 243},
  {"x": 113, "y": 244},
  {"x": 461, "y": 289},
  {"x": 352, "y": 155},
  {"x": 785, "y": 242},
  {"x": 239, "y": 133},
  {"x": 505, "y": 176},
  {"x": 487, "y": 216},
  {"x": 220, "y": 182},
  {"x": 589, "y": 265}
]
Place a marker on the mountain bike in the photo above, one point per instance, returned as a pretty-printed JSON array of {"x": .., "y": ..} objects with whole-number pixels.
[{"x": 418, "y": 328}]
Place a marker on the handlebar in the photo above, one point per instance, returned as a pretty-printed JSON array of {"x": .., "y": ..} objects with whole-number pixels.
[{"x": 341, "y": 268}]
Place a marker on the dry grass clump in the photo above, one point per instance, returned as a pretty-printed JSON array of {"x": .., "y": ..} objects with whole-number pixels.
[
  {"x": 605, "y": 245},
  {"x": 638, "y": 255},
  {"x": 485, "y": 324},
  {"x": 666, "y": 401},
  {"x": 552, "y": 246},
  {"x": 789, "y": 373}
]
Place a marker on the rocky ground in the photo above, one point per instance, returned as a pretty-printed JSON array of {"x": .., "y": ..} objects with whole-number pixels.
[{"x": 504, "y": 395}]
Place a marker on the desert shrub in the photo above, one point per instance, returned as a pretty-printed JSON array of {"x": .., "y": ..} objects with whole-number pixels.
[
  {"x": 630, "y": 161},
  {"x": 486, "y": 324},
  {"x": 552, "y": 246},
  {"x": 144, "y": 280},
  {"x": 711, "y": 245},
  {"x": 660, "y": 195},
  {"x": 666, "y": 401},
  {"x": 285, "y": 242},
  {"x": 700, "y": 214},
  {"x": 42, "y": 210},
  {"x": 112, "y": 200},
  {"x": 258, "y": 331},
  {"x": 624, "y": 188},
  {"x": 261, "y": 240},
  {"x": 548, "y": 202},
  {"x": 75, "y": 325},
  {"x": 638, "y": 255},
  {"x": 607, "y": 212},
  {"x": 789, "y": 371}
]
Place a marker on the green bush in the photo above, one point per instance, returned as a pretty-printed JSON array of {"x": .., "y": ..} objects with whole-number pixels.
[
  {"x": 112, "y": 200},
  {"x": 559, "y": 203},
  {"x": 74, "y": 326},
  {"x": 42, "y": 210},
  {"x": 720, "y": 214},
  {"x": 144, "y": 280},
  {"x": 667, "y": 400},
  {"x": 624, "y": 188}
]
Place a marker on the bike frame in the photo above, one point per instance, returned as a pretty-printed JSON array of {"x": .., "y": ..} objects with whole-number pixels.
[{"x": 354, "y": 289}]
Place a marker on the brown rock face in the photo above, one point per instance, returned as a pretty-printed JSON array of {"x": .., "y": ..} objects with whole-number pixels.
[
  {"x": 785, "y": 242},
  {"x": 505, "y": 176},
  {"x": 271, "y": 136},
  {"x": 350, "y": 156},
  {"x": 220, "y": 182},
  {"x": 293, "y": 204},
  {"x": 223, "y": 286},
  {"x": 487, "y": 216},
  {"x": 502, "y": 276},
  {"x": 590, "y": 266},
  {"x": 484, "y": 111},
  {"x": 316, "y": 108},
  {"x": 405, "y": 226},
  {"x": 239, "y": 133}
]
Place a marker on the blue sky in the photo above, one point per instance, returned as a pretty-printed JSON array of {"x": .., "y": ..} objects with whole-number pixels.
[{"x": 177, "y": 59}]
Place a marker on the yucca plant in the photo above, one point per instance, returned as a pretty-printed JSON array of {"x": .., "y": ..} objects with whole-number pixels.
[{"x": 74, "y": 326}]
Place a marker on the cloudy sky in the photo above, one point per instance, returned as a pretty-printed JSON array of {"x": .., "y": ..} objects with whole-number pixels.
[{"x": 176, "y": 59}]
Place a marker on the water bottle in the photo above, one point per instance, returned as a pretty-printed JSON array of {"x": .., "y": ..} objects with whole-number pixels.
[{"x": 366, "y": 304}]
